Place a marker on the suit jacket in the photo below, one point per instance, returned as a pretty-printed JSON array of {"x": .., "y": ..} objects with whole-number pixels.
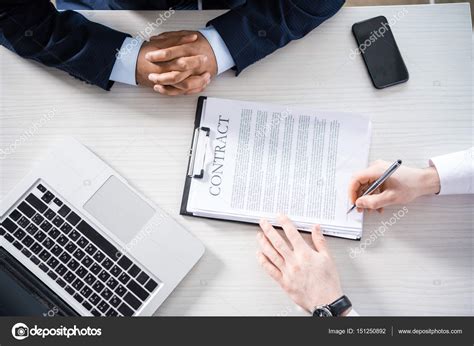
[
  {"x": 251, "y": 30},
  {"x": 145, "y": 4}
]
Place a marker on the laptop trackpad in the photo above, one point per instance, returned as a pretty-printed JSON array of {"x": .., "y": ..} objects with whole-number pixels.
[{"x": 119, "y": 209}]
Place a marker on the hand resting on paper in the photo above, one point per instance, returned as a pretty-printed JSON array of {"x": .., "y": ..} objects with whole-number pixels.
[{"x": 307, "y": 273}]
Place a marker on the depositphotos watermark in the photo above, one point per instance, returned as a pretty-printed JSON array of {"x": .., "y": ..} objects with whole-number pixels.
[
  {"x": 378, "y": 232},
  {"x": 27, "y": 135},
  {"x": 144, "y": 35},
  {"x": 142, "y": 235},
  {"x": 376, "y": 34},
  {"x": 21, "y": 331}
]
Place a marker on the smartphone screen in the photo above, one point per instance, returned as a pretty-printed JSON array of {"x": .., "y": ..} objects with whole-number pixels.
[{"x": 380, "y": 52}]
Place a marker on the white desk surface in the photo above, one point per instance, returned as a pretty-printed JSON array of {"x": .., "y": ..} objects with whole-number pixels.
[{"x": 423, "y": 265}]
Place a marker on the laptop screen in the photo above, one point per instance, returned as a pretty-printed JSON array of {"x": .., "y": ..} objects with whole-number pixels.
[{"x": 23, "y": 294}]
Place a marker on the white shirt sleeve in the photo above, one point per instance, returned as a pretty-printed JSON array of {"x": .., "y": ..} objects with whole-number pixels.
[
  {"x": 352, "y": 313},
  {"x": 456, "y": 172},
  {"x": 223, "y": 56},
  {"x": 126, "y": 61}
]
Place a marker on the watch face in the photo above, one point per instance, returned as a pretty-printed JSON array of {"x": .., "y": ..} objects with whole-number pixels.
[{"x": 323, "y": 311}]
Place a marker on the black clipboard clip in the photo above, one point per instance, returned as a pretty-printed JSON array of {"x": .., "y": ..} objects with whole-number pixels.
[{"x": 197, "y": 153}]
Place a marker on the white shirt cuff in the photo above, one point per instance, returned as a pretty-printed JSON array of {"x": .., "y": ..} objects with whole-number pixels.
[
  {"x": 223, "y": 57},
  {"x": 126, "y": 61},
  {"x": 352, "y": 313},
  {"x": 456, "y": 172}
]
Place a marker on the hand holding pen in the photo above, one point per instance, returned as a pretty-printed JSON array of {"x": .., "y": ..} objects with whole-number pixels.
[{"x": 400, "y": 186}]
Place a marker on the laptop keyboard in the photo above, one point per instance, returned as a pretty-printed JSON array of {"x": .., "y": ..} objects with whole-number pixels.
[{"x": 85, "y": 264}]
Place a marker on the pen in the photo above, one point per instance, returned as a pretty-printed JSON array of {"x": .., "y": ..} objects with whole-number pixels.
[{"x": 390, "y": 170}]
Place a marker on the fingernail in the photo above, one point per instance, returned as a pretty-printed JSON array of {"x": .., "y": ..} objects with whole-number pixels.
[{"x": 159, "y": 54}]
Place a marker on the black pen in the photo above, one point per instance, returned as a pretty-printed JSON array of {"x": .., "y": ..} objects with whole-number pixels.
[{"x": 390, "y": 170}]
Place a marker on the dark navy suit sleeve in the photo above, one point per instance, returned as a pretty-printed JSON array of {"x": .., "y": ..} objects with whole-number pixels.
[
  {"x": 35, "y": 30},
  {"x": 258, "y": 28}
]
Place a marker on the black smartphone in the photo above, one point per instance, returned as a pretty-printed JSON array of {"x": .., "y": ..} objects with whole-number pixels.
[{"x": 380, "y": 52}]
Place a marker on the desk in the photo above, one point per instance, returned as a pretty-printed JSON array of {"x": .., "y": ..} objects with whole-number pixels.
[{"x": 423, "y": 265}]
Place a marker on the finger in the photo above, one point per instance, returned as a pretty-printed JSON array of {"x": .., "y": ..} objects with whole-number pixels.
[
  {"x": 170, "y": 53},
  {"x": 318, "y": 240},
  {"x": 362, "y": 178},
  {"x": 380, "y": 210},
  {"x": 275, "y": 239},
  {"x": 269, "y": 251},
  {"x": 168, "y": 34},
  {"x": 194, "y": 91},
  {"x": 170, "y": 41},
  {"x": 194, "y": 63},
  {"x": 169, "y": 78},
  {"x": 194, "y": 82},
  {"x": 172, "y": 91},
  {"x": 291, "y": 232},
  {"x": 375, "y": 201},
  {"x": 168, "y": 90},
  {"x": 271, "y": 270}
]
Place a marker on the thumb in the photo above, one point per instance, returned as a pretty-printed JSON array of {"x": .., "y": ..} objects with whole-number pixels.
[
  {"x": 376, "y": 201},
  {"x": 364, "y": 177},
  {"x": 318, "y": 239}
]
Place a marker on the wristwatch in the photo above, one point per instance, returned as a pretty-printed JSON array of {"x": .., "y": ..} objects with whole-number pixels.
[{"x": 334, "y": 309}]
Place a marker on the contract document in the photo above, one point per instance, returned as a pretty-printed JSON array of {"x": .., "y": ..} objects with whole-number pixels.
[{"x": 250, "y": 161}]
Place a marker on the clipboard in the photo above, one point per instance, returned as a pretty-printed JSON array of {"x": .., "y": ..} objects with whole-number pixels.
[{"x": 195, "y": 168}]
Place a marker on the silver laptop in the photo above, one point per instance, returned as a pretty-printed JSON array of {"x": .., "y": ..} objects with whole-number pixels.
[{"x": 77, "y": 239}]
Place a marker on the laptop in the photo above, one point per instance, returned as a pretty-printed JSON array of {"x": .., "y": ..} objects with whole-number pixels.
[{"x": 77, "y": 239}]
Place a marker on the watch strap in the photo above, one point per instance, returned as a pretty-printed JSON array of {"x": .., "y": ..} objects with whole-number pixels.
[{"x": 340, "y": 305}]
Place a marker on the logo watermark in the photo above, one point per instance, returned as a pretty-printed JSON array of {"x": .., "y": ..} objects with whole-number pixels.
[
  {"x": 142, "y": 235},
  {"x": 377, "y": 233},
  {"x": 144, "y": 35},
  {"x": 376, "y": 34},
  {"x": 27, "y": 135},
  {"x": 21, "y": 331}
]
